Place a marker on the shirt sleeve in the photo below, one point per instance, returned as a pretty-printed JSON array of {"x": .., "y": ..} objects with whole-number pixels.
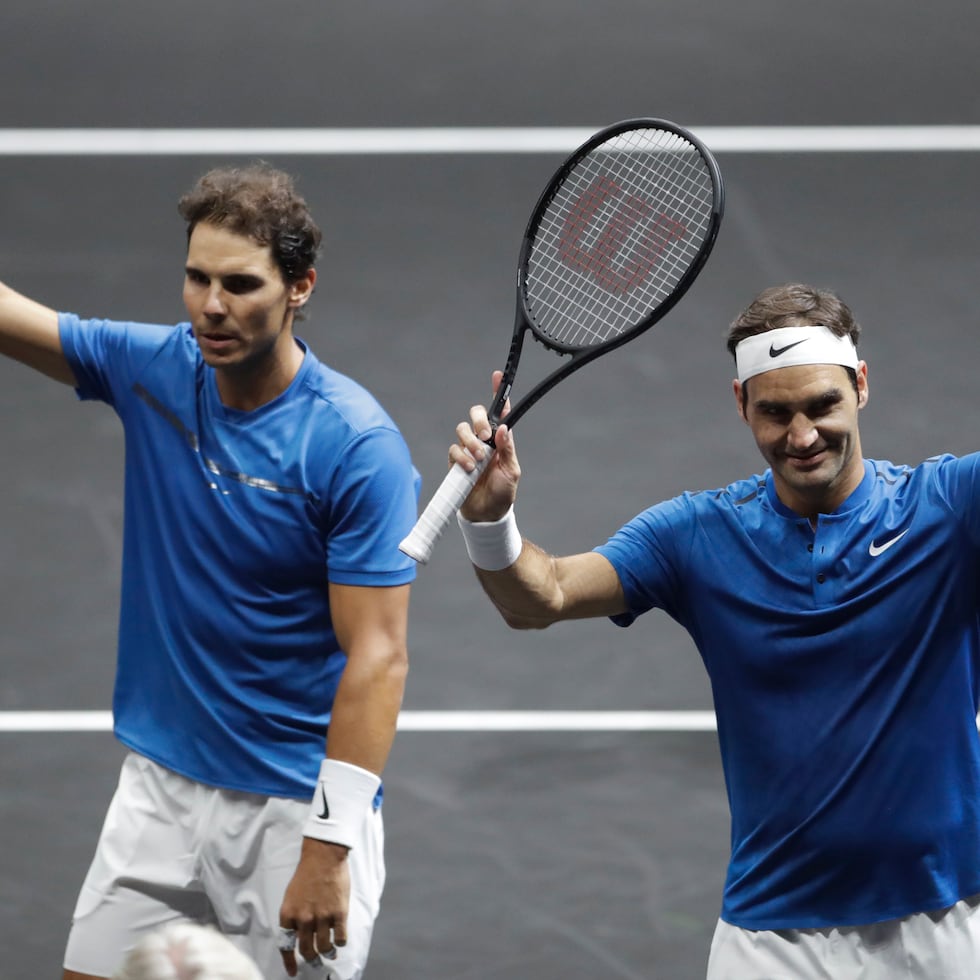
[
  {"x": 958, "y": 479},
  {"x": 373, "y": 508},
  {"x": 105, "y": 355},
  {"x": 645, "y": 555}
]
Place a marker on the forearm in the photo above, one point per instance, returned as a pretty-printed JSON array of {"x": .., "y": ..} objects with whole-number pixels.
[
  {"x": 366, "y": 706},
  {"x": 527, "y": 593},
  {"x": 539, "y": 589},
  {"x": 530, "y": 588},
  {"x": 29, "y": 334},
  {"x": 360, "y": 735}
]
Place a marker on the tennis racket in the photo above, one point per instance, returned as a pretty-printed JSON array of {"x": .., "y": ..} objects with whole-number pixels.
[{"x": 615, "y": 240}]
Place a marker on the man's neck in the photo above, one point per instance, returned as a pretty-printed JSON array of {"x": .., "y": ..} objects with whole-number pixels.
[{"x": 249, "y": 387}]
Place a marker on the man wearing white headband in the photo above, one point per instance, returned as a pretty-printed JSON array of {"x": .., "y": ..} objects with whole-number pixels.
[{"x": 835, "y": 601}]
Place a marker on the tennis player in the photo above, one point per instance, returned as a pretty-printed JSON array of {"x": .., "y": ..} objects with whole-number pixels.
[
  {"x": 262, "y": 639},
  {"x": 835, "y": 601}
]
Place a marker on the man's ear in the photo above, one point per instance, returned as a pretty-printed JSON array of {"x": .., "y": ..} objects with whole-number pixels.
[
  {"x": 864, "y": 392},
  {"x": 739, "y": 402},
  {"x": 302, "y": 289}
]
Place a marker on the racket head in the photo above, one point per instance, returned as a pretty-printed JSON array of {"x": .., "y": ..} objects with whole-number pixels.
[{"x": 618, "y": 235}]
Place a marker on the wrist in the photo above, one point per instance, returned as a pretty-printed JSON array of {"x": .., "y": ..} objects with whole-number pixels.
[
  {"x": 492, "y": 545},
  {"x": 324, "y": 850},
  {"x": 342, "y": 800}
]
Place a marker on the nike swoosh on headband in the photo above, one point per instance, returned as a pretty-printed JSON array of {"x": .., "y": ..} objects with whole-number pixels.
[
  {"x": 776, "y": 351},
  {"x": 876, "y": 549}
]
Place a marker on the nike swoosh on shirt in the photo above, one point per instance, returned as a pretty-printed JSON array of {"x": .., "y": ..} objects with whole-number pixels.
[
  {"x": 876, "y": 549},
  {"x": 776, "y": 351}
]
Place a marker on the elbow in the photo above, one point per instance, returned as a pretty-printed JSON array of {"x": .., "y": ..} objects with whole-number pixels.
[
  {"x": 390, "y": 666},
  {"x": 522, "y": 620},
  {"x": 397, "y": 665}
]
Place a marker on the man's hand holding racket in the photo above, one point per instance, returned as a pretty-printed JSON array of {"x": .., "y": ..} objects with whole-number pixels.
[
  {"x": 617, "y": 237},
  {"x": 496, "y": 490},
  {"x": 530, "y": 588}
]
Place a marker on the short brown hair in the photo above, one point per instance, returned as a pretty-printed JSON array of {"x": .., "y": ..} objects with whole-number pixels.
[
  {"x": 262, "y": 203},
  {"x": 793, "y": 305}
]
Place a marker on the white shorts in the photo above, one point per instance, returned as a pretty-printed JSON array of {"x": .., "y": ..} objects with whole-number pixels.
[
  {"x": 943, "y": 945},
  {"x": 173, "y": 849}
]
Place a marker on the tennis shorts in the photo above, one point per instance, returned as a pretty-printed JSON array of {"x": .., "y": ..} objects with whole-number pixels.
[
  {"x": 173, "y": 849},
  {"x": 943, "y": 945}
]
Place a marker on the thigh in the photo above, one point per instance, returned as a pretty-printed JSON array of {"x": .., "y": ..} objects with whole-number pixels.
[
  {"x": 872, "y": 952},
  {"x": 945, "y": 944},
  {"x": 367, "y": 871},
  {"x": 741, "y": 954},
  {"x": 247, "y": 875},
  {"x": 143, "y": 873},
  {"x": 942, "y": 944}
]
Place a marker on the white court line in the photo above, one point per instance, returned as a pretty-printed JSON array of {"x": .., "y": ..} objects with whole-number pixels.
[
  {"x": 425, "y": 721},
  {"x": 557, "y": 721},
  {"x": 554, "y": 139}
]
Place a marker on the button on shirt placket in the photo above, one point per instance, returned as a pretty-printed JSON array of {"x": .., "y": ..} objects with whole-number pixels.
[{"x": 822, "y": 552}]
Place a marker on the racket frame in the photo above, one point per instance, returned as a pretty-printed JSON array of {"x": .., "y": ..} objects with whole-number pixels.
[
  {"x": 458, "y": 483},
  {"x": 524, "y": 319}
]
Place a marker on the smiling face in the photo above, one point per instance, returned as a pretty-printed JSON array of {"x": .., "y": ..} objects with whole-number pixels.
[
  {"x": 805, "y": 423},
  {"x": 242, "y": 313}
]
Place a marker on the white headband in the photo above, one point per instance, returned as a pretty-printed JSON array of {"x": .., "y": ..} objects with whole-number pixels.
[{"x": 791, "y": 346}]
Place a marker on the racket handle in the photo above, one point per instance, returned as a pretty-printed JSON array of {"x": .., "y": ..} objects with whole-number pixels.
[{"x": 453, "y": 490}]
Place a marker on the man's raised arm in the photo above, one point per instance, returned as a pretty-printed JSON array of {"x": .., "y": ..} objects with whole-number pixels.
[
  {"x": 29, "y": 333},
  {"x": 530, "y": 588}
]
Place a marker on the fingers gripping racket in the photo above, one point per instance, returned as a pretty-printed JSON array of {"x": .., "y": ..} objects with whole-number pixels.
[{"x": 615, "y": 240}]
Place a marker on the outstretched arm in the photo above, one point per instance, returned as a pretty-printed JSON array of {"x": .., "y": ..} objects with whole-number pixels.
[
  {"x": 29, "y": 333},
  {"x": 537, "y": 589}
]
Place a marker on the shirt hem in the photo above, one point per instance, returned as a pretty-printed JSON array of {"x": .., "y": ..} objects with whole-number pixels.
[{"x": 935, "y": 904}]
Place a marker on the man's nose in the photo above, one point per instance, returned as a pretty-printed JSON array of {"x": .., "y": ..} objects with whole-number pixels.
[
  {"x": 802, "y": 432},
  {"x": 214, "y": 304}
]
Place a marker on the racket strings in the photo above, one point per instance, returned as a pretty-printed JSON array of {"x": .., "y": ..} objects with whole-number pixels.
[
  {"x": 620, "y": 231},
  {"x": 625, "y": 180},
  {"x": 610, "y": 298}
]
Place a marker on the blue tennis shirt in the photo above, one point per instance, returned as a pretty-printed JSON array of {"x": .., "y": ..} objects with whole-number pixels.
[
  {"x": 235, "y": 524},
  {"x": 843, "y": 663}
]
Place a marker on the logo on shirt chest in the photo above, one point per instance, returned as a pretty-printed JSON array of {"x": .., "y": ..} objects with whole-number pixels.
[{"x": 876, "y": 548}]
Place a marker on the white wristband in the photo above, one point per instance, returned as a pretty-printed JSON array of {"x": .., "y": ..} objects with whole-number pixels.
[
  {"x": 492, "y": 545},
  {"x": 343, "y": 798}
]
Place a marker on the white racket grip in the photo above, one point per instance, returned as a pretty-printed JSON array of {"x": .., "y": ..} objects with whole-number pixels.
[{"x": 441, "y": 509}]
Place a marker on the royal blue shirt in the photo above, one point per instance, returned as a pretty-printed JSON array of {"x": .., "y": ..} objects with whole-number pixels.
[
  {"x": 235, "y": 523},
  {"x": 844, "y": 668}
]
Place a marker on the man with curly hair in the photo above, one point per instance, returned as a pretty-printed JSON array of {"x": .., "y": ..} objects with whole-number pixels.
[{"x": 262, "y": 646}]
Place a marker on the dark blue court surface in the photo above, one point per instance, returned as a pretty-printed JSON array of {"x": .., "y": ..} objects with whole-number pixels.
[{"x": 547, "y": 855}]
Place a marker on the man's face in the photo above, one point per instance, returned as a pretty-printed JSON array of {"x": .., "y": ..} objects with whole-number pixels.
[
  {"x": 239, "y": 306},
  {"x": 805, "y": 423}
]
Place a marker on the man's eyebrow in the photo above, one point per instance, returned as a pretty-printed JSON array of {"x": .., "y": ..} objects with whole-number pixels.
[
  {"x": 831, "y": 396},
  {"x": 242, "y": 277},
  {"x": 251, "y": 277}
]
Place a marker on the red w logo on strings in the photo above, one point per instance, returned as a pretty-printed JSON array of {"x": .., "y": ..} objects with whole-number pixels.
[{"x": 617, "y": 264}]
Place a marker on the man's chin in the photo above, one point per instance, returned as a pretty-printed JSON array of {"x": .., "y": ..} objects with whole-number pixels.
[
  {"x": 809, "y": 475},
  {"x": 214, "y": 349}
]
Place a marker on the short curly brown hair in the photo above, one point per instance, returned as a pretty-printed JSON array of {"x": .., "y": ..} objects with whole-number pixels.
[{"x": 261, "y": 202}]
